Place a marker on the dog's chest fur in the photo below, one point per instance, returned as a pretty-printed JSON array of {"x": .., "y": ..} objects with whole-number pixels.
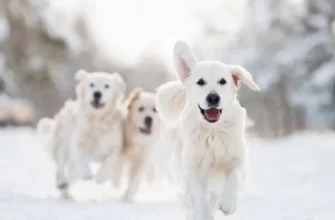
[
  {"x": 141, "y": 145},
  {"x": 101, "y": 135},
  {"x": 214, "y": 145}
]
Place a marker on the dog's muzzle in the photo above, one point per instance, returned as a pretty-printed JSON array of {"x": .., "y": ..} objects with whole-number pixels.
[
  {"x": 148, "y": 121},
  {"x": 211, "y": 115},
  {"x": 96, "y": 103}
]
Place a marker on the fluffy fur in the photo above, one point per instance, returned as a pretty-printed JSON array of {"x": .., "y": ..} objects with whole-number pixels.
[
  {"x": 89, "y": 129},
  {"x": 141, "y": 131},
  {"x": 173, "y": 103},
  {"x": 45, "y": 126},
  {"x": 209, "y": 132}
]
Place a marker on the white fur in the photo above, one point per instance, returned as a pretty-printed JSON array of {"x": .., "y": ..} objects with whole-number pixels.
[
  {"x": 172, "y": 101},
  {"x": 83, "y": 133},
  {"x": 98, "y": 133},
  {"x": 210, "y": 157},
  {"x": 45, "y": 126}
]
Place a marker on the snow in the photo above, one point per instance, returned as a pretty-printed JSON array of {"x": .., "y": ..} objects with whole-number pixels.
[{"x": 290, "y": 178}]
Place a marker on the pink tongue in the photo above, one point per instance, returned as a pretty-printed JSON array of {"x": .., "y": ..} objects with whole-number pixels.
[{"x": 212, "y": 114}]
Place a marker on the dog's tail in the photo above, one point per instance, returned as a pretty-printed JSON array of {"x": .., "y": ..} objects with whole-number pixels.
[
  {"x": 45, "y": 126},
  {"x": 171, "y": 100}
]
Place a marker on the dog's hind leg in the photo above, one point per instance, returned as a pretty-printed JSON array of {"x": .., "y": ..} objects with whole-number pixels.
[
  {"x": 61, "y": 180},
  {"x": 60, "y": 159},
  {"x": 64, "y": 190}
]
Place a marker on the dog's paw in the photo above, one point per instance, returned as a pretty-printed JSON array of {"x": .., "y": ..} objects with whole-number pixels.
[
  {"x": 128, "y": 196},
  {"x": 63, "y": 186},
  {"x": 66, "y": 196},
  {"x": 228, "y": 204}
]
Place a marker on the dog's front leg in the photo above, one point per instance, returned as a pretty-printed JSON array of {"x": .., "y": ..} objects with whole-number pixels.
[
  {"x": 134, "y": 179},
  {"x": 197, "y": 189},
  {"x": 80, "y": 161},
  {"x": 102, "y": 174},
  {"x": 231, "y": 188},
  {"x": 111, "y": 167}
]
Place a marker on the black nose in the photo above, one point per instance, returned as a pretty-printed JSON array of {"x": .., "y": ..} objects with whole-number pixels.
[
  {"x": 97, "y": 95},
  {"x": 148, "y": 121},
  {"x": 213, "y": 99}
]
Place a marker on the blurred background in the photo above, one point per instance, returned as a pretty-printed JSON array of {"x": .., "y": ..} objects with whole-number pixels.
[{"x": 288, "y": 45}]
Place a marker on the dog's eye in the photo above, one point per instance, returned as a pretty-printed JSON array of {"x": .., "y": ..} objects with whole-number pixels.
[
  {"x": 106, "y": 86},
  {"x": 141, "y": 109},
  {"x": 222, "y": 81},
  {"x": 201, "y": 82},
  {"x": 154, "y": 109},
  {"x": 91, "y": 85}
]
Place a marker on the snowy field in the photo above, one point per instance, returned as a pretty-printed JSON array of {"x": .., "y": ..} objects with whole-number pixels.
[{"x": 290, "y": 179}]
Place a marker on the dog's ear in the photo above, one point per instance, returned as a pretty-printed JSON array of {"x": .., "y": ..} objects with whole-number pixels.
[
  {"x": 79, "y": 91},
  {"x": 81, "y": 75},
  {"x": 240, "y": 74},
  {"x": 121, "y": 85},
  {"x": 133, "y": 96},
  {"x": 184, "y": 60}
]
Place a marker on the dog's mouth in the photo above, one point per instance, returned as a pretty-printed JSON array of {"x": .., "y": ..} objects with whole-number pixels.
[
  {"x": 146, "y": 130},
  {"x": 211, "y": 115},
  {"x": 97, "y": 104}
]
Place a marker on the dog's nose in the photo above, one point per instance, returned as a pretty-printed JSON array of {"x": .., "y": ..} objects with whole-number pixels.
[
  {"x": 213, "y": 99},
  {"x": 148, "y": 121},
  {"x": 97, "y": 95}
]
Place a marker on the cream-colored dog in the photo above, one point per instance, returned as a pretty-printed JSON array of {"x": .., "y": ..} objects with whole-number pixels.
[
  {"x": 89, "y": 129},
  {"x": 141, "y": 132},
  {"x": 208, "y": 126}
]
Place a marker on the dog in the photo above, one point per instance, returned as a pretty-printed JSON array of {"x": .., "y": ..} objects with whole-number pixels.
[
  {"x": 141, "y": 126},
  {"x": 207, "y": 122},
  {"x": 57, "y": 132},
  {"x": 88, "y": 129}
]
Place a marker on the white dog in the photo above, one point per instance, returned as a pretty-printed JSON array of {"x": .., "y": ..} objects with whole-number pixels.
[
  {"x": 57, "y": 132},
  {"x": 89, "y": 129},
  {"x": 206, "y": 118}
]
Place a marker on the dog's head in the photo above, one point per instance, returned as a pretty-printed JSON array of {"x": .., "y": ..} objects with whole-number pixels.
[
  {"x": 142, "y": 112},
  {"x": 211, "y": 85},
  {"x": 99, "y": 90}
]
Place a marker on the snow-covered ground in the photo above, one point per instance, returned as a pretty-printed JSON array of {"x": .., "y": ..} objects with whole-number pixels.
[{"x": 290, "y": 179}]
